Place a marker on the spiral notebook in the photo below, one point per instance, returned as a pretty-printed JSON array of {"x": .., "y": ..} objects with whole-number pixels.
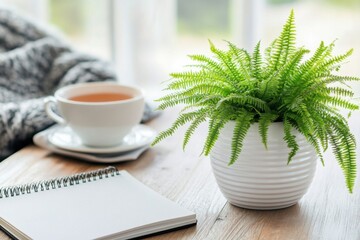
[{"x": 102, "y": 204}]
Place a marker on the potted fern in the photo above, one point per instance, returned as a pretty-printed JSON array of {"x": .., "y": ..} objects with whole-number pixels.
[{"x": 269, "y": 117}]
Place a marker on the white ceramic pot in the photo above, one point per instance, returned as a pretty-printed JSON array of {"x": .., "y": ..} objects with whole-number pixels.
[{"x": 260, "y": 178}]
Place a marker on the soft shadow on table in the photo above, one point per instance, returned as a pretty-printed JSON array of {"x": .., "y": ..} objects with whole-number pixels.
[
  {"x": 144, "y": 159},
  {"x": 276, "y": 223}
]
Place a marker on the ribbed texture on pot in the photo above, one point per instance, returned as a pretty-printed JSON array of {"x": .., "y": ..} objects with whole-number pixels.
[{"x": 260, "y": 178}]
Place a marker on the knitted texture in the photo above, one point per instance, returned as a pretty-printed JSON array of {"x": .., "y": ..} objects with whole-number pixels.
[{"x": 34, "y": 63}]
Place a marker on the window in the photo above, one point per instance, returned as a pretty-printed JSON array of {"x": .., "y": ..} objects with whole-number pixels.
[
  {"x": 85, "y": 23},
  {"x": 148, "y": 39}
]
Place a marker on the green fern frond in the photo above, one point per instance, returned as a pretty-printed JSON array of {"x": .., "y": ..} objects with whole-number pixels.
[
  {"x": 291, "y": 66},
  {"x": 245, "y": 102},
  {"x": 285, "y": 46},
  {"x": 226, "y": 62},
  {"x": 201, "y": 117},
  {"x": 290, "y": 139},
  {"x": 213, "y": 133},
  {"x": 189, "y": 75},
  {"x": 320, "y": 130},
  {"x": 269, "y": 51},
  {"x": 242, "y": 125},
  {"x": 284, "y": 78},
  {"x": 209, "y": 64},
  {"x": 256, "y": 63},
  {"x": 268, "y": 88},
  {"x": 304, "y": 112},
  {"x": 207, "y": 88},
  {"x": 314, "y": 142},
  {"x": 194, "y": 94},
  {"x": 264, "y": 122},
  {"x": 186, "y": 79},
  {"x": 190, "y": 79},
  {"x": 308, "y": 67},
  {"x": 208, "y": 101},
  {"x": 243, "y": 60},
  {"x": 337, "y": 101},
  {"x": 275, "y": 84},
  {"x": 338, "y": 91},
  {"x": 343, "y": 144},
  {"x": 180, "y": 100},
  {"x": 344, "y": 150},
  {"x": 329, "y": 64},
  {"x": 180, "y": 121},
  {"x": 298, "y": 94}
]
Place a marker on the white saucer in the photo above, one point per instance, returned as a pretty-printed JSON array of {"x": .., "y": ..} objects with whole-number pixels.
[{"x": 65, "y": 138}]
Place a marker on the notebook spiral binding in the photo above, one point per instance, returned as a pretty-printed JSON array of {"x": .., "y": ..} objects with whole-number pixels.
[{"x": 60, "y": 182}]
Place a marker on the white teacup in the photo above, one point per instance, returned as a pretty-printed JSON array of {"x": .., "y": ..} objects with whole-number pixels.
[{"x": 101, "y": 114}]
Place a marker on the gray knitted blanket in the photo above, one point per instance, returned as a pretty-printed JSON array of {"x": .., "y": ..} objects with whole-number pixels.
[{"x": 34, "y": 63}]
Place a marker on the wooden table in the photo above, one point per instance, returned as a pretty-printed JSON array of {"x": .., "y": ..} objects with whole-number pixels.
[{"x": 327, "y": 211}]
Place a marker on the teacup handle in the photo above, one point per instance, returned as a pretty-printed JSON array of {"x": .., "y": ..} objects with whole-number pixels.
[{"x": 49, "y": 102}]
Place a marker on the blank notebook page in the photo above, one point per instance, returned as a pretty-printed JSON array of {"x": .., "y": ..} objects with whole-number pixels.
[{"x": 90, "y": 210}]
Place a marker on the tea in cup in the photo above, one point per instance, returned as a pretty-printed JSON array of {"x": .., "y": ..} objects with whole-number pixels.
[{"x": 100, "y": 113}]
